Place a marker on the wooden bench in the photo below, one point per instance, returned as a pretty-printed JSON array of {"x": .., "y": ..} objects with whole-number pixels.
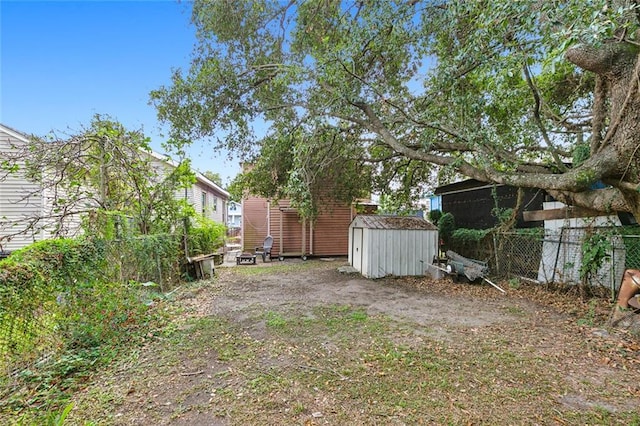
[{"x": 203, "y": 264}]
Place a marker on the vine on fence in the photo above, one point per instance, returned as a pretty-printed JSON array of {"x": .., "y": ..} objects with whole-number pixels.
[
  {"x": 596, "y": 249},
  {"x": 66, "y": 306}
]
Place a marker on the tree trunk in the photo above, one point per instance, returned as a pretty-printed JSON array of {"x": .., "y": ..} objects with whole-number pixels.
[{"x": 616, "y": 63}]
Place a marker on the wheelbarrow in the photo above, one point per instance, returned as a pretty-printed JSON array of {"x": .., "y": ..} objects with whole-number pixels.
[{"x": 456, "y": 265}]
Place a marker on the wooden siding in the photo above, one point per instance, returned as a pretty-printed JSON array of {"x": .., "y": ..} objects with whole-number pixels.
[
  {"x": 289, "y": 241},
  {"x": 331, "y": 231},
  {"x": 328, "y": 236},
  {"x": 255, "y": 226}
]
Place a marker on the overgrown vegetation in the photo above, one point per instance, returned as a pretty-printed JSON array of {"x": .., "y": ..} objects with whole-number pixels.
[
  {"x": 205, "y": 236},
  {"x": 69, "y": 305},
  {"x": 66, "y": 307},
  {"x": 596, "y": 249},
  {"x": 309, "y": 362}
]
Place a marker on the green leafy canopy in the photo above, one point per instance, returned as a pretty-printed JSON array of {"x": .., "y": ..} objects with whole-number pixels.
[{"x": 391, "y": 94}]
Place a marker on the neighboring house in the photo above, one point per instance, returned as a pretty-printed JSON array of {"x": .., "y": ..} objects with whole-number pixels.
[
  {"x": 22, "y": 201},
  {"x": 206, "y": 197},
  {"x": 472, "y": 203},
  {"x": 234, "y": 215},
  {"x": 292, "y": 235}
]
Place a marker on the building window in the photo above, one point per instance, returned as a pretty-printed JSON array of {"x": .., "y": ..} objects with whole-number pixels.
[
  {"x": 204, "y": 203},
  {"x": 233, "y": 207},
  {"x": 215, "y": 204}
]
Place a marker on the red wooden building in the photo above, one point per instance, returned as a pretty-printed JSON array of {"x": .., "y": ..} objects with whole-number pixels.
[{"x": 328, "y": 235}]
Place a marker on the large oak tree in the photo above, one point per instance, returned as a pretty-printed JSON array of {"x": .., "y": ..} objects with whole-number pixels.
[{"x": 539, "y": 94}]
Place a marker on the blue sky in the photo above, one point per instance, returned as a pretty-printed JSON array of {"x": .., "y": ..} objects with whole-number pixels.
[{"x": 63, "y": 61}]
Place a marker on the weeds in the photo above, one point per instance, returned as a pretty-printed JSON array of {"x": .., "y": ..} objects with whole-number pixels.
[
  {"x": 346, "y": 364},
  {"x": 590, "y": 316}
]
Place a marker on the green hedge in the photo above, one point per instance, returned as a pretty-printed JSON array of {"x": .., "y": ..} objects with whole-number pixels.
[
  {"x": 32, "y": 281},
  {"x": 65, "y": 294},
  {"x": 143, "y": 258},
  {"x": 206, "y": 236}
]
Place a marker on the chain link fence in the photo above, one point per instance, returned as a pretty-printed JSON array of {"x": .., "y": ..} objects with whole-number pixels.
[
  {"x": 561, "y": 256},
  {"x": 62, "y": 297}
]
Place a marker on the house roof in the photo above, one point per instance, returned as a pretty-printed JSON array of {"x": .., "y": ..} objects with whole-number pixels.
[
  {"x": 199, "y": 176},
  {"x": 393, "y": 222},
  {"x": 13, "y": 132},
  {"x": 465, "y": 185}
]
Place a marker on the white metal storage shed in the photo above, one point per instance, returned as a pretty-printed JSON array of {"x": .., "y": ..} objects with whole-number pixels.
[{"x": 391, "y": 245}]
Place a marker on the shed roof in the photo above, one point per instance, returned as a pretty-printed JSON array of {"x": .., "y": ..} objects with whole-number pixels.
[
  {"x": 465, "y": 185},
  {"x": 393, "y": 222}
]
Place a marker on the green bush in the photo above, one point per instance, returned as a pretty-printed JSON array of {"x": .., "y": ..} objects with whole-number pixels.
[
  {"x": 55, "y": 263},
  {"x": 446, "y": 226},
  {"x": 434, "y": 216},
  {"x": 464, "y": 236},
  {"x": 206, "y": 236}
]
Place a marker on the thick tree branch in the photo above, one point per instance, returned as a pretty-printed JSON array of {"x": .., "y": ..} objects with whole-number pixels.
[
  {"x": 609, "y": 57},
  {"x": 538, "y": 120}
]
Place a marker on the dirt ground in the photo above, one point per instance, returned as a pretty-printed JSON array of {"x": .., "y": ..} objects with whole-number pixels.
[{"x": 594, "y": 368}]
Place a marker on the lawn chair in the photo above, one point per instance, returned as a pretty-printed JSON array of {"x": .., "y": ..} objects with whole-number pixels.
[{"x": 265, "y": 250}]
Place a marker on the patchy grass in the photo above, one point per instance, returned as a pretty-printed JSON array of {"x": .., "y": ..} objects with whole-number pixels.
[
  {"x": 279, "y": 361},
  {"x": 343, "y": 366},
  {"x": 287, "y": 266}
]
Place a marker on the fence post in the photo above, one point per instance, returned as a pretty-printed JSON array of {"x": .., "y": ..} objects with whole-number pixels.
[
  {"x": 159, "y": 272},
  {"x": 495, "y": 251},
  {"x": 555, "y": 263},
  {"x": 612, "y": 269}
]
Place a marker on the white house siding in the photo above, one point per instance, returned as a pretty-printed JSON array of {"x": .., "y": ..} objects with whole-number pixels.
[
  {"x": 234, "y": 214},
  {"x": 71, "y": 225},
  {"x": 14, "y": 210},
  {"x": 215, "y": 208},
  {"x": 561, "y": 262},
  {"x": 193, "y": 194}
]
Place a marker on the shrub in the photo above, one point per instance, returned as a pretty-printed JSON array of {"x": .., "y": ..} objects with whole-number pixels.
[
  {"x": 446, "y": 226},
  {"x": 206, "y": 236},
  {"x": 464, "y": 236},
  {"x": 59, "y": 261},
  {"x": 434, "y": 216}
]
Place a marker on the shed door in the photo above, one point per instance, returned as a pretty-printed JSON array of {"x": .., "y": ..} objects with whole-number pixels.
[{"x": 356, "y": 253}]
